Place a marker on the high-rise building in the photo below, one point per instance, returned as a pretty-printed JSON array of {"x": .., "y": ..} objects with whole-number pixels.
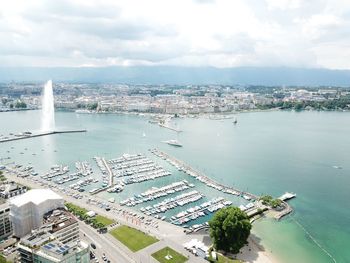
[
  {"x": 5, "y": 223},
  {"x": 27, "y": 210}
]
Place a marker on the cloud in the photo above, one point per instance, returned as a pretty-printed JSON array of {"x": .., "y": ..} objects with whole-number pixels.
[
  {"x": 221, "y": 33},
  {"x": 283, "y": 4}
]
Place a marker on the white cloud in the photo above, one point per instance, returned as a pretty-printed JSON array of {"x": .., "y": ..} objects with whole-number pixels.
[
  {"x": 317, "y": 25},
  {"x": 221, "y": 33},
  {"x": 283, "y": 4}
]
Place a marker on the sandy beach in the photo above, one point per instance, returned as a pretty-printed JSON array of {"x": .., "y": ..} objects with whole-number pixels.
[{"x": 256, "y": 253}]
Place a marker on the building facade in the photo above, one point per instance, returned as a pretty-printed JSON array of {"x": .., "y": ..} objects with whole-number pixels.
[
  {"x": 5, "y": 223},
  {"x": 27, "y": 210}
]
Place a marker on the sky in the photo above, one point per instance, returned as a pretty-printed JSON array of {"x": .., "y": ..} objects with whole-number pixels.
[{"x": 218, "y": 33}]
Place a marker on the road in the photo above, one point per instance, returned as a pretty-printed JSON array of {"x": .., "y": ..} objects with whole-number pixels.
[{"x": 103, "y": 245}]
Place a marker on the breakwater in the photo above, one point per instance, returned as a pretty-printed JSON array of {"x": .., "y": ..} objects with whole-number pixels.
[
  {"x": 187, "y": 169},
  {"x": 33, "y": 135}
]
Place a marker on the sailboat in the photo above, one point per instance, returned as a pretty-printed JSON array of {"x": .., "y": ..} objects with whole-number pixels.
[{"x": 235, "y": 121}]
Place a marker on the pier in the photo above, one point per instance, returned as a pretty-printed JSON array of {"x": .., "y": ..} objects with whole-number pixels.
[
  {"x": 202, "y": 177},
  {"x": 31, "y": 135},
  {"x": 288, "y": 209},
  {"x": 169, "y": 127},
  {"x": 110, "y": 173},
  {"x": 180, "y": 165}
]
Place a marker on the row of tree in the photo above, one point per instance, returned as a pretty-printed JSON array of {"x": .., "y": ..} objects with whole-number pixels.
[
  {"x": 342, "y": 103},
  {"x": 81, "y": 214}
]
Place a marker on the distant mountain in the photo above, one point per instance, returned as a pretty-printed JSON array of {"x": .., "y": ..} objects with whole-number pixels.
[{"x": 181, "y": 75}]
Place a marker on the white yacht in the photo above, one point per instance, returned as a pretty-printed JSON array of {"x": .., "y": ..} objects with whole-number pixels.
[{"x": 174, "y": 143}]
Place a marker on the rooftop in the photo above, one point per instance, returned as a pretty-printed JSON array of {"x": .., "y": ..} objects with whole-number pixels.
[
  {"x": 35, "y": 196},
  {"x": 58, "y": 219},
  {"x": 36, "y": 238}
]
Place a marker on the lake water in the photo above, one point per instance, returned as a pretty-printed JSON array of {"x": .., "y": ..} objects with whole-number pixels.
[{"x": 265, "y": 153}]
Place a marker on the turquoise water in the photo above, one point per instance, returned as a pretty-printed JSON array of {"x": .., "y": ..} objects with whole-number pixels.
[{"x": 266, "y": 152}]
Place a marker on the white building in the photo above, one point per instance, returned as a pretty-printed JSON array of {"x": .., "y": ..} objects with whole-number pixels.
[{"x": 27, "y": 210}]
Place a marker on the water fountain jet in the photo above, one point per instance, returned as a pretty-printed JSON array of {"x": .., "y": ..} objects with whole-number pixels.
[{"x": 48, "y": 109}]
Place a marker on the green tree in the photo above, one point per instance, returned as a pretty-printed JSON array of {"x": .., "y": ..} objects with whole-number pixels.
[
  {"x": 270, "y": 201},
  {"x": 275, "y": 203},
  {"x": 299, "y": 106},
  {"x": 4, "y": 101},
  {"x": 266, "y": 199},
  {"x": 92, "y": 106},
  {"x": 229, "y": 229},
  {"x": 20, "y": 105}
]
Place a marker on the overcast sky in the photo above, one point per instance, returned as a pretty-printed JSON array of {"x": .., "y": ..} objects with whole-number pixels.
[{"x": 220, "y": 33}]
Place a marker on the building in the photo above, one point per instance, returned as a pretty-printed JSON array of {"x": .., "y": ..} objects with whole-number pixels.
[
  {"x": 40, "y": 247},
  {"x": 11, "y": 189},
  {"x": 62, "y": 225},
  {"x": 28, "y": 209},
  {"x": 57, "y": 240},
  {"x": 5, "y": 223}
]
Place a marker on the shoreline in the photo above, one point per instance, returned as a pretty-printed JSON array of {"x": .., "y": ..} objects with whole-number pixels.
[
  {"x": 224, "y": 115},
  {"x": 256, "y": 253}
]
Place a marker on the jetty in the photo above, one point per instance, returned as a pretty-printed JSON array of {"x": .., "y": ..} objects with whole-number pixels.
[
  {"x": 180, "y": 165},
  {"x": 169, "y": 127},
  {"x": 110, "y": 173},
  {"x": 187, "y": 169},
  {"x": 28, "y": 135}
]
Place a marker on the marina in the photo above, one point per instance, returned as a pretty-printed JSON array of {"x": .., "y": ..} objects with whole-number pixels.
[
  {"x": 201, "y": 177},
  {"x": 125, "y": 170},
  {"x": 155, "y": 193},
  {"x": 200, "y": 210},
  {"x": 171, "y": 203},
  {"x": 55, "y": 171}
]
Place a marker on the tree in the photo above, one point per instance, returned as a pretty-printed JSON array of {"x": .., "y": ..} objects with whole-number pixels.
[
  {"x": 266, "y": 199},
  {"x": 229, "y": 229},
  {"x": 20, "y": 105},
  {"x": 92, "y": 106},
  {"x": 270, "y": 201},
  {"x": 275, "y": 203}
]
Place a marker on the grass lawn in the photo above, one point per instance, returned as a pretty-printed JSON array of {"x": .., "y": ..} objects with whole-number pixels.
[
  {"x": 134, "y": 239},
  {"x": 104, "y": 220},
  {"x": 223, "y": 259},
  {"x": 175, "y": 256}
]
